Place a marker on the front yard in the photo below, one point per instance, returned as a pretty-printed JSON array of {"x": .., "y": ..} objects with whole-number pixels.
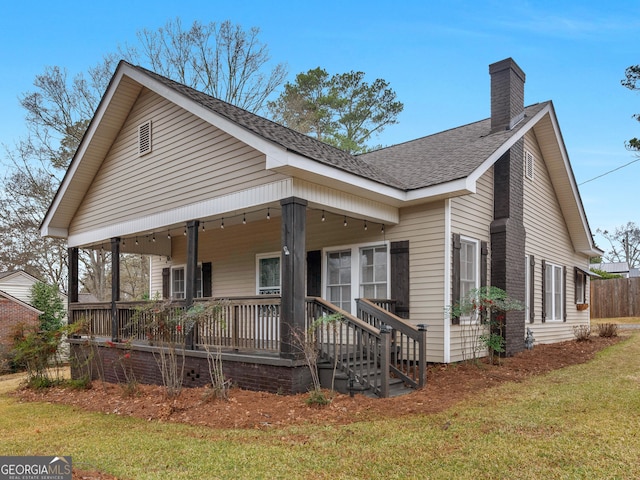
[{"x": 470, "y": 422}]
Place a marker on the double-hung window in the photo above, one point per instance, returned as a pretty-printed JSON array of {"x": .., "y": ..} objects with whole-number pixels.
[
  {"x": 178, "y": 285},
  {"x": 359, "y": 271},
  {"x": 469, "y": 262},
  {"x": 553, "y": 292}
]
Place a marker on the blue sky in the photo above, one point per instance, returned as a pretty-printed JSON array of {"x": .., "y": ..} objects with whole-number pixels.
[{"x": 435, "y": 54}]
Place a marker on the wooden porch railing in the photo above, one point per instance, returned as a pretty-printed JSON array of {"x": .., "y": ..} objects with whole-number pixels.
[
  {"x": 408, "y": 358},
  {"x": 360, "y": 350},
  {"x": 244, "y": 323}
]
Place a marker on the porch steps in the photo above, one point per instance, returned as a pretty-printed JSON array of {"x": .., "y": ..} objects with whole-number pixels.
[{"x": 341, "y": 381}]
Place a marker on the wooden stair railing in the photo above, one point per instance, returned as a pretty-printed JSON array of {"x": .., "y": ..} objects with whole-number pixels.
[
  {"x": 356, "y": 348},
  {"x": 408, "y": 359}
]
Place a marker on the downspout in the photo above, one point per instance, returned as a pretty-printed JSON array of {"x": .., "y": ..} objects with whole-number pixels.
[{"x": 447, "y": 280}]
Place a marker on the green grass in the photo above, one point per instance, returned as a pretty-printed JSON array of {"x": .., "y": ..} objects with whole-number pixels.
[
  {"x": 578, "y": 422},
  {"x": 618, "y": 320}
]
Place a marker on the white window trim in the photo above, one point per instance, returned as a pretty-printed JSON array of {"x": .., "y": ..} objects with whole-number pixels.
[
  {"x": 355, "y": 267},
  {"x": 466, "y": 319},
  {"x": 261, "y": 256},
  {"x": 584, "y": 277},
  {"x": 183, "y": 267},
  {"x": 550, "y": 312}
]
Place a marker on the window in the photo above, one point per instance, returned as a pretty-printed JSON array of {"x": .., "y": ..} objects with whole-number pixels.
[
  {"x": 359, "y": 270},
  {"x": 553, "y": 292},
  {"x": 529, "y": 163},
  {"x": 339, "y": 279},
  {"x": 178, "y": 285},
  {"x": 469, "y": 278},
  {"x": 581, "y": 286},
  {"x": 373, "y": 272},
  {"x": 268, "y": 274}
]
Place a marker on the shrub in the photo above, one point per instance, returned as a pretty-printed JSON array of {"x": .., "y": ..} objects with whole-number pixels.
[
  {"x": 482, "y": 315},
  {"x": 47, "y": 299},
  {"x": 37, "y": 351},
  {"x": 582, "y": 332},
  {"x": 317, "y": 397},
  {"x": 607, "y": 330}
]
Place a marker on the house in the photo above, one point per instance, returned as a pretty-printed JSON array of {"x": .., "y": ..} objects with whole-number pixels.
[
  {"x": 616, "y": 268},
  {"x": 15, "y": 308},
  {"x": 286, "y": 228}
]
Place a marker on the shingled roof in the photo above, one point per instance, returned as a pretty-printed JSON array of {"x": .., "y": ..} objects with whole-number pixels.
[
  {"x": 427, "y": 161},
  {"x": 290, "y": 139},
  {"x": 444, "y": 156}
]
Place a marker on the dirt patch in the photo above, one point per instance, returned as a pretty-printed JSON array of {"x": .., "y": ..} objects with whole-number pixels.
[{"x": 446, "y": 385}]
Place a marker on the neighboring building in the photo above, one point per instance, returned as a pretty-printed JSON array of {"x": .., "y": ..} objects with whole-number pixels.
[
  {"x": 17, "y": 284},
  {"x": 616, "y": 268},
  {"x": 234, "y": 206},
  {"x": 15, "y": 310}
]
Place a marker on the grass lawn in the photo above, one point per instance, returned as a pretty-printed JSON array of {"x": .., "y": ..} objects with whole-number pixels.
[
  {"x": 578, "y": 422},
  {"x": 619, "y": 320}
]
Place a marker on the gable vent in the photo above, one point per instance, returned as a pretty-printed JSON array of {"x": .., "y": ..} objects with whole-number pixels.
[
  {"x": 144, "y": 138},
  {"x": 528, "y": 165}
]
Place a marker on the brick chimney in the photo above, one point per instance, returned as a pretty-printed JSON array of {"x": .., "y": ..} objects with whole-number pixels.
[
  {"x": 507, "y": 94},
  {"x": 507, "y": 229}
]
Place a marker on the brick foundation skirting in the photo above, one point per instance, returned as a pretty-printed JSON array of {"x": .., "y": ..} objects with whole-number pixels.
[{"x": 98, "y": 360}]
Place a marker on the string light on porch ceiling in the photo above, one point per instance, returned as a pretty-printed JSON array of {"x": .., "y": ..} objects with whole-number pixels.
[{"x": 345, "y": 222}]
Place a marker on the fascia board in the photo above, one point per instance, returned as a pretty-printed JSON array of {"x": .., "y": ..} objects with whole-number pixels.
[
  {"x": 504, "y": 148},
  {"x": 592, "y": 249},
  {"x": 45, "y": 230},
  {"x": 296, "y": 161}
]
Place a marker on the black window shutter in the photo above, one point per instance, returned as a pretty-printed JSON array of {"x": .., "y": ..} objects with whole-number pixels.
[
  {"x": 564, "y": 294},
  {"x": 484, "y": 253},
  {"x": 207, "y": 280},
  {"x": 166, "y": 279},
  {"x": 544, "y": 290},
  {"x": 314, "y": 273},
  {"x": 455, "y": 288},
  {"x": 399, "y": 258},
  {"x": 532, "y": 288}
]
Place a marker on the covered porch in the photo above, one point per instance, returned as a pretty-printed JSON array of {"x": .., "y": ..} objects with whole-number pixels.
[{"x": 260, "y": 335}]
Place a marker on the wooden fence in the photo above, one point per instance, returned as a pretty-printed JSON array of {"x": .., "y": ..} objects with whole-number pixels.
[{"x": 615, "y": 297}]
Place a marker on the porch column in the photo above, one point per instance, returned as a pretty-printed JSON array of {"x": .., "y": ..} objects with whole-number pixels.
[
  {"x": 115, "y": 287},
  {"x": 72, "y": 289},
  {"x": 191, "y": 272},
  {"x": 293, "y": 250}
]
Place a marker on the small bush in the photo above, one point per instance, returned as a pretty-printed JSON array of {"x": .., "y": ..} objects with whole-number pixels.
[
  {"x": 83, "y": 383},
  {"x": 317, "y": 397},
  {"x": 582, "y": 332},
  {"x": 607, "y": 330}
]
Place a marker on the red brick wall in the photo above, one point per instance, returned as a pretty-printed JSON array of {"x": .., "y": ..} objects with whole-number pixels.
[
  {"x": 11, "y": 315},
  {"x": 251, "y": 376}
]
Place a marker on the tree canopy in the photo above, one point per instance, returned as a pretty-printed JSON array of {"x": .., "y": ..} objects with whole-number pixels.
[
  {"x": 47, "y": 299},
  {"x": 342, "y": 110},
  {"x": 624, "y": 244},
  {"x": 221, "y": 59},
  {"x": 632, "y": 82}
]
